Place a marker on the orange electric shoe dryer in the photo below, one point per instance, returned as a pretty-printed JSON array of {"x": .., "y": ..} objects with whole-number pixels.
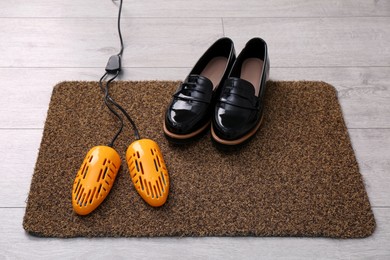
[
  {"x": 148, "y": 171},
  {"x": 95, "y": 178},
  {"x": 98, "y": 171}
]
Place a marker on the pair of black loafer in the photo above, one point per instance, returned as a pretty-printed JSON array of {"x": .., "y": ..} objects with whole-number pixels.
[{"x": 223, "y": 90}]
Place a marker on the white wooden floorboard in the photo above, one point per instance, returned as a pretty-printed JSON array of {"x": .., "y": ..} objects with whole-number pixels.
[
  {"x": 28, "y": 96},
  {"x": 199, "y": 8},
  {"x": 364, "y": 93},
  {"x": 16, "y": 244},
  {"x": 317, "y": 42},
  {"x": 18, "y": 164},
  {"x": 178, "y": 42},
  {"x": 372, "y": 149},
  {"x": 88, "y": 42}
]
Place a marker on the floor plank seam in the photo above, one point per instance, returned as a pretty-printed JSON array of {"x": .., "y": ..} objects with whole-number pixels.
[
  {"x": 12, "y": 207},
  {"x": 223, "y": 27},
  {"x": 185, "y": 67},
  {"x": 123, "y": 67},
  {"x": 20, "y": 128},
  {"x": 368, "y": 128},
  {"x": 196, "y": 17}
]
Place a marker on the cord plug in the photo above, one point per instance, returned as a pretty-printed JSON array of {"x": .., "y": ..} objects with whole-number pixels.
[{"x": 114, "y": 64}]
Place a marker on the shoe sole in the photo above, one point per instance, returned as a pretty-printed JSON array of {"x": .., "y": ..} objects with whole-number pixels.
[
  {"x": 232, "y": 143},
  {"x": 186, "y": 138}
]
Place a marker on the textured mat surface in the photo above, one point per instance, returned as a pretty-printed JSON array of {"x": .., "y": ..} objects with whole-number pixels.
[{"x": 297, "y": 177}]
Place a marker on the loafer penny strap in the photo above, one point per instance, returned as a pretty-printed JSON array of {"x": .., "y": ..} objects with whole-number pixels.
[
  {"x": 195, "y": 88},
  {"x": 240, "y": 93}
]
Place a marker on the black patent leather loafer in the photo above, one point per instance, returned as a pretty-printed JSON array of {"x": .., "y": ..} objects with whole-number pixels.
[
  {"x": 239, "y": 109},
  {"x": 189, "y": 113}
]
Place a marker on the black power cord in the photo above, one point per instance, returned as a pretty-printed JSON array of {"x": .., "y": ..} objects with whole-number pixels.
[
  {"x": 113, "y": 67},
  {"x": 119, "y": 27},
  {"x": 114, "y": 62},
  {"x": 111, "y": 144}
]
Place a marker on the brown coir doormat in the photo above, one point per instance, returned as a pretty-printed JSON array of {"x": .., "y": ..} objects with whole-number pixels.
[{"x": 297, "y": 177}]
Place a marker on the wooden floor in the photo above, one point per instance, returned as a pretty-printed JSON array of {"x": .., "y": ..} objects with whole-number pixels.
[{"x": 343, "y": 42}]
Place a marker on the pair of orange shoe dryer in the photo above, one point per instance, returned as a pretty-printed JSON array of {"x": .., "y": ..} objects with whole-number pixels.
[{"x": 98, "y": 171}]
